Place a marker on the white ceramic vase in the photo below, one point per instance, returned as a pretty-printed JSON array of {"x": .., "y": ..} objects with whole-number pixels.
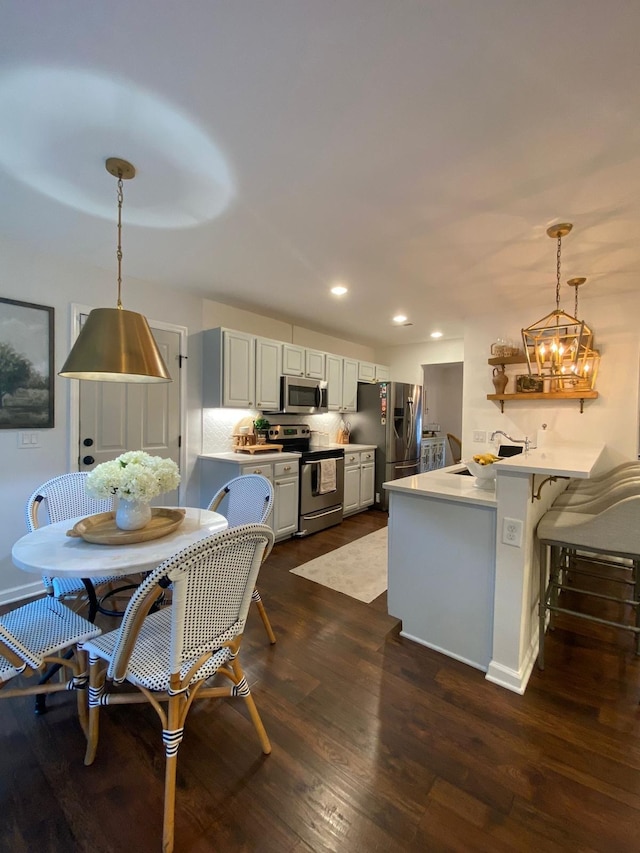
[{"x": 132, "y": 515}]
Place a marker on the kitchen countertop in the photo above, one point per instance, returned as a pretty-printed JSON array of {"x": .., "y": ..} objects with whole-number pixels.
[
  {"x": 255, "y": 458},
  {"x": 562, "y": 460},
  {"x": 444, "y": 483},
  {"x": 348, "y": 448}
]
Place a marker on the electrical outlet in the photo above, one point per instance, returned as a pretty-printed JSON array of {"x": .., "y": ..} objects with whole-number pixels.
[
  {"x": 512, "y": 532},
  {"x": 377, "y": 497},
  {"x": 479, "y": 435}
]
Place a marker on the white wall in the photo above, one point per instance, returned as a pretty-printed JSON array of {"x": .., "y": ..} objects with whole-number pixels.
[
  {"x": 46, "y": 280},
  {"x": 612, "y": 419}
]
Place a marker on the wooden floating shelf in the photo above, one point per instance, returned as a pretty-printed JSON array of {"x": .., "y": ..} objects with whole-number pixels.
[{"x": 544, "y": 395}]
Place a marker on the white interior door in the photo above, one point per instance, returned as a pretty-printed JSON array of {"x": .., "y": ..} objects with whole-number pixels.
[{"x": 120, "y": 416}]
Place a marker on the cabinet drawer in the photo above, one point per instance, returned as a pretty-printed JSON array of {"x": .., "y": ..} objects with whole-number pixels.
[
  {"x": 265, "y": 470},
  {"x": 351, "y": 459},
  {"x": 286, "y": 469},
  {"x": 367, "y": 456}
]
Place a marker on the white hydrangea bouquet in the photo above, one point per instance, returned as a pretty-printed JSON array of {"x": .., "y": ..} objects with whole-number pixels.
[{"x": 133, "y": 476}]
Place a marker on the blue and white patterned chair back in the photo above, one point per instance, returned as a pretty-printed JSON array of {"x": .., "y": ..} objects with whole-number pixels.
[
  {"x": 63, "y": 497},
  {"x": 212, "y": 582},
  {"x": 247, "y": 499}
]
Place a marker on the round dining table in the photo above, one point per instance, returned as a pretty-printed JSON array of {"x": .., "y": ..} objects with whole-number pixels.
[{"x": 49, "y": 551}]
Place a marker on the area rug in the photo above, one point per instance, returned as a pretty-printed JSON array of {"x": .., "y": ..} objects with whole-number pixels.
[{"x": 358, "y": 569}]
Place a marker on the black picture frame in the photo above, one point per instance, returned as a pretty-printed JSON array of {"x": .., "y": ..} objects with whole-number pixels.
[{"x": 26, "y": 365}]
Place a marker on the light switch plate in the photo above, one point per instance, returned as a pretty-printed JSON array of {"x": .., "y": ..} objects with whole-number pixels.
[
  {"x": 479, "y": 435},
  {"x": 28, "y": 440}
]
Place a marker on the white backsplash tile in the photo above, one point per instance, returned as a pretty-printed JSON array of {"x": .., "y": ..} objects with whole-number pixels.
[{"x": 218, "y": 424}]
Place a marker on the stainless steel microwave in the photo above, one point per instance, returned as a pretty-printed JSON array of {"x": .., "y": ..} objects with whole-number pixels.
[{"x": 303, "y": 396}]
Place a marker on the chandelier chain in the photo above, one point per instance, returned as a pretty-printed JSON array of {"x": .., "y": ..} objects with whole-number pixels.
[
  {"x": 119, "y": 251},
  {"x": 558, "y": 273}
]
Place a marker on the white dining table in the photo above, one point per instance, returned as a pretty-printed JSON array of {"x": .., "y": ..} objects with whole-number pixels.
[{"x": 49, "y": 551}]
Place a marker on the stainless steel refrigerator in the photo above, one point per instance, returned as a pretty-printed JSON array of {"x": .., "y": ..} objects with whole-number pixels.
[{"x": 390, "y": 416}]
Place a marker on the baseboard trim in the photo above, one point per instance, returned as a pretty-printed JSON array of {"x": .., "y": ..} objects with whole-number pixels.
[
  {"x": 18, "y": 593},
  {"x": 515, "y": 680},
  {"x": 442, "y": 651}
]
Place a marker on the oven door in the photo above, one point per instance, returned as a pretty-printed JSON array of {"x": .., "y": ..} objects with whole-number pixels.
[
  {"x": 302, "y": 396},
  {"x": 311, "y": 499}
]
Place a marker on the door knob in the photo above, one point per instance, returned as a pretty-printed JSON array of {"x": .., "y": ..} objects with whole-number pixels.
[
  {"x": 88, "y": 460},
  {"x": 88, "y": 442}
]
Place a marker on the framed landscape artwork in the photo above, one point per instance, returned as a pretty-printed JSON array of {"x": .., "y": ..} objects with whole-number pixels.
[{"x": 26, "y": 365}]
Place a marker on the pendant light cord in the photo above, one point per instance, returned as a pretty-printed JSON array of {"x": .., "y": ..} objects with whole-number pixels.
[
  {"x": 558, "y": 273},
  {"x": 119, "y": 252}
]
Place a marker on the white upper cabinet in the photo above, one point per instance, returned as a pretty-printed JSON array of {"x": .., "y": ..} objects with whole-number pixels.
[
  {"x": 268, "y": 371},
  {"x": 366, "y": 371},
  {"x": 293, "y": 360},
  {"x": 334, "y": 382},
  {"x": 349, "y": 385},
  {"x": 239, "y": 370},
  {"x": 315, "y": 364}
]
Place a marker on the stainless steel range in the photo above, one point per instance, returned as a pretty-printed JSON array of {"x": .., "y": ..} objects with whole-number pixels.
[{"x": 321, "y": 478}]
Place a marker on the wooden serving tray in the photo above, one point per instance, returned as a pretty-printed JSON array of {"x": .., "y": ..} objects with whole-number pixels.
[
  {"x": 259, "y": 448},
  {"x": 101, "y": 529}
]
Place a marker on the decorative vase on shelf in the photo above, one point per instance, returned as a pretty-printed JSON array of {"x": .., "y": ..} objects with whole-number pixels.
[
  {"x": 132, "y": 515},
  {"x": 500, "y": 379}
]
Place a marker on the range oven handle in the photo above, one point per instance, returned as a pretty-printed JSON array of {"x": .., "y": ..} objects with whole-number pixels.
[
  {"x": 318, "y": 461},
  {"x": 328, "y": 512}
]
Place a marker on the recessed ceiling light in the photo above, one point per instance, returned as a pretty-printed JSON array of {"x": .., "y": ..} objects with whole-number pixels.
[
  {"x": 399, "y": 318},
  {"x": 339, "y": 290},
  {"x": 436, "y": 334}
]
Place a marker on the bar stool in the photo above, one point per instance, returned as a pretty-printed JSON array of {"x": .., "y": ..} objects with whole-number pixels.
[
  {"x": 607, "y": 537},
  {"x": 594, "y": 485}
]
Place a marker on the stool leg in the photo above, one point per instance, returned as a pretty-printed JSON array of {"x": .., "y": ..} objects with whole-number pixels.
[
  {"x": 542, "y": 610},
  {"x": 636, "y": 565}
]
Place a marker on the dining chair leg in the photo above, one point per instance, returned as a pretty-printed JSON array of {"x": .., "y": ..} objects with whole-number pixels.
[
  {"x": 82, "y": 691},
  {"x": 255, "y": 597},
  {"x": 97, "y": 675},
  {"x": 241, "y": 688},
  {"x": 172, "y": 737}
]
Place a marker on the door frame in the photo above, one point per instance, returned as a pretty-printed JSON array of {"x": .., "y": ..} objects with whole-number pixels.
[{"x": 77, "y": 309}]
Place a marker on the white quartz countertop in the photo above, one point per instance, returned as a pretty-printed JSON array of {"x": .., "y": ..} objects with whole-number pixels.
[
  {"x": 255, "y": 458},
  {"x": 563, "y": 460},
  {"x": 348, "y": 448},
  {"x": 444, "y": 483}
]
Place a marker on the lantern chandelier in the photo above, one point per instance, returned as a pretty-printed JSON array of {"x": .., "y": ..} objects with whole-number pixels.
[
  {"x": 559, "y": 347},
  {"x": 115, "y": 345}
]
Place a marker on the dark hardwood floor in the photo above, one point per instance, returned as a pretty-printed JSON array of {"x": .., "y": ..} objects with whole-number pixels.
[{"x": 378, "y": 745}]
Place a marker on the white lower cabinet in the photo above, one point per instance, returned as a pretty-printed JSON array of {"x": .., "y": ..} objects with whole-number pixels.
[
  {"x": 285, "y": 508},
  {"x": 284, "y": 476},
  {"x": 359, "y": 480}
]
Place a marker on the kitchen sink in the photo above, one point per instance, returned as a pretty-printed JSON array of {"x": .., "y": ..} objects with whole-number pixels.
[{"x": 464, "y": 471}]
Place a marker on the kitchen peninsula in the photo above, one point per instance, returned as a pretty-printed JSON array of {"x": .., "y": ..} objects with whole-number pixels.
[{"x": 453, "y": 581}]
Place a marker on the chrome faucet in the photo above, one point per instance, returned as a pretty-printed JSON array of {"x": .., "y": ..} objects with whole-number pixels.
[{"x": 526, "y": 441}]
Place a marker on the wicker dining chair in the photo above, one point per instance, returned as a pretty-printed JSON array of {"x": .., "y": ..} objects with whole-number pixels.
[
  {"x": 33, "y": 638},
  {"x": 170, "y": 654},
  {"x": 455, "y": 445},
  {"x": 247, "y": 499},
  {"x": 65, "y": 497}
]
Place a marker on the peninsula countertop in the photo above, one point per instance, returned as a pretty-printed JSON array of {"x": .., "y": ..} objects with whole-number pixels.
[
  {"x": 444, "y": 483},
  {"x": 562, "y": 460}
]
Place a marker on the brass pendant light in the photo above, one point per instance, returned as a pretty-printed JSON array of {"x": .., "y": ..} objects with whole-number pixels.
[
  {"x": 115, "y": 345},
  {"x": 559, "y": 347}
]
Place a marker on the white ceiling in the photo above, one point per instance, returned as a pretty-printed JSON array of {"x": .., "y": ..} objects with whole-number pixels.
[{"x": 416, "y": 151}]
